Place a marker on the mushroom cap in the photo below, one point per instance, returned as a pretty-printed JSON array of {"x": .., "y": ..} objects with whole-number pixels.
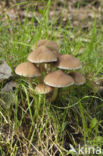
[
  {"x": 27, "y": 69},
  {"x": 49, "y": 44},
  {"x": 56, "y": 53},
  {"x": 78, "y": 78},
  {"x": 42, "y": 55},
  {"x": 52, "y": 45},
  {"x": 68, "y": 62},
  {"x": 41, "y": 42},
  {"x": 58, "y": 79},
  {"x": 43, "y": 89}
]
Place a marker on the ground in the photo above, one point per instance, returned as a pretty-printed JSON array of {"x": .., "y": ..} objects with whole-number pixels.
[{"x": 29, "y": 124}]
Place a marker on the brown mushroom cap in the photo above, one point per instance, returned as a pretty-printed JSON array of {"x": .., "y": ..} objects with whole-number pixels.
[
  {"x": 52, "y": 45},
  {"x": 49, "y": 44},
  {"x": 41, "y": 42},
  {"x": 78, "y": 78},
  {"x": 68, "y": 62},
  {"x": 42, "y": 55},
  {"x": 58, "y": 79},
  {"x": 43, "y": 89},
  {"x": 27, "y": 69}
]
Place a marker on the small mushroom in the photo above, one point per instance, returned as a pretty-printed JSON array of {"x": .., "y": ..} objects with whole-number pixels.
[
  {"x": 27, "y": 69},
  {"x": 41, "y": 42},
  {"x": 53, "y": 46},
  {"x": 78, "y": 78},
  {"x": 43, "y": 89},
  {"x": 49, "y": 44},
  {"x": 68, "y": 62},
  {"x": 58, "y": 79}
]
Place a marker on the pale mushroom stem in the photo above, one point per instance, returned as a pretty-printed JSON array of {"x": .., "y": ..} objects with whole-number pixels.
[
  {"x": 48, "y": 68},
  {"x": 30, "y": 81},
  {"x": 54, "y": 95}
]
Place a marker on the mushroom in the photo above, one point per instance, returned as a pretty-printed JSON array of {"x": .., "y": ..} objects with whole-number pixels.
[
  {"x": 78, "y": 78},
  {"x": 42, "y": 55},
  {"x": 49, "y": 44},
  {"x": 43, "y": 89},
  {"x": 47, "y": 57},
  {"x": 27, "y": 69},
  {"x": 68, "y": 62},
  {"x": 53, "y": 46},
  {"x": 58, "y": 79},
  {"x": 41, "y": 42}
]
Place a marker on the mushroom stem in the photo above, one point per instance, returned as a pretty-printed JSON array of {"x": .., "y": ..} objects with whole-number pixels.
[
  {"x": 48, "y": 68},
  {"x": 54, "y": 95},
  {"x": 30, "y": 81},
  {"x": 41, "y": 67}
]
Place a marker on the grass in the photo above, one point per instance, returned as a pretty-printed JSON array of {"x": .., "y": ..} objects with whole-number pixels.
[{"x": 27, "y": 121}]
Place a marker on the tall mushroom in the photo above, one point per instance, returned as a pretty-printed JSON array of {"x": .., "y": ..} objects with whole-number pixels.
[
  {"x": 58, "y": 79},
  {"x": 42, "y": 55}
]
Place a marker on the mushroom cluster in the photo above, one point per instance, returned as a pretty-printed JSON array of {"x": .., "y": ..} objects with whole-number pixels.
[{"x": 46, "y": 61}]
